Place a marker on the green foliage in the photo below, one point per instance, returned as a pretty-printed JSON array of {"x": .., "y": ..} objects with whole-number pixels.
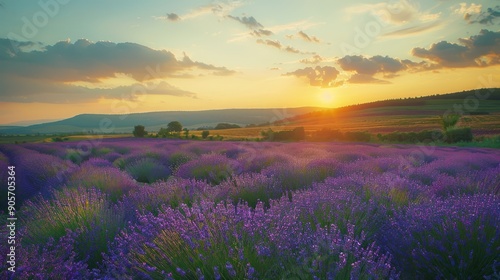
[
  {"x": 449, "y": 121},
  {"x": 226, "y": 126},
  {"x": 297, "y": 134},
  {"x": 76, "y": 156},
  {"x": 177, "y": 159},
  {"x": 459, "y": 135},
  {"x": 86, "y": 211},
  {"x": 357, "y": 136},
  {"x": 424, "y": 136},
  {"x": 174, "y": 126},
  {"x": 139, "y": 131},
  {"x": 147, "y": 170},
  {"x": 205, "y": 134}
]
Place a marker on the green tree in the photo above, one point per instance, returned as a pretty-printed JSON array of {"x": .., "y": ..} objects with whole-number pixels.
[
  {"x": 139, "y": 131},
  {"x": 174, "y": 126},
  {"x": 186, "y": 132},
  {"x": 449, "y": 121},
  {"x": 205, "y": 134},
  {"x": 163, "y": 133}
]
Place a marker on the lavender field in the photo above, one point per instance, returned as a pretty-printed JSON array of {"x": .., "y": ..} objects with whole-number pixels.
[{"x": 166, "y": 209}]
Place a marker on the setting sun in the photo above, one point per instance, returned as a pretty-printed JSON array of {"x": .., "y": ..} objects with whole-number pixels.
[{"x": 326, "y": 97}]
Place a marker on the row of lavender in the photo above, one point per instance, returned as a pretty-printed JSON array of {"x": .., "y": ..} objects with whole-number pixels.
[{"x": 153, "y": 209}]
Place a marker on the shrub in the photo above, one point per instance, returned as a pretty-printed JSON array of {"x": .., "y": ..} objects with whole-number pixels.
[
  {"x": 85, "y": 211},
  {"x": 109, "y": 180},
  {"x": 177, "y": 159},
  {"x": 210, "y": 167},
  {"x": 52, "y": 260},
  {"x": 219, "y": 242},
  {"x": 357, "y": 136},
  {"x": 456, "y": 238},
  {"x": 458, "y": 135},
  {"x": 171, "y": 193},
  {"x": 148, "y": 170},
  {"x": 139, "y": 131},
  {"x": 76, "y": 156},
  {"x": 250, "y": 188}
]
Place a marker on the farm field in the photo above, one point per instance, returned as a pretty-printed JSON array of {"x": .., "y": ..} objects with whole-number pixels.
[{"x": 172, "y": 209}]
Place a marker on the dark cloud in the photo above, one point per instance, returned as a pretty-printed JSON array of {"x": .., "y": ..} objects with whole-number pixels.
[
  {"x": 249, "y": 22},
  {"x": 261, "y": 33},
  {"x": 277, "y": 44},
  {"x": 318, "y": 76},
  {"x": 173, "y": 17},
  {"x": 271, "y": 43},
  {"x": 373, "y": 65},
  {"x": 489, "y": 16},
  {"x": 291, "y": 49},
  {"x": 476, "y": 51},
  {"x": 301, "y": 34},
  {"x": 24, "y": 90},
  {"x": 92, "y": 62},
  {"x": 30, "y": 72}
]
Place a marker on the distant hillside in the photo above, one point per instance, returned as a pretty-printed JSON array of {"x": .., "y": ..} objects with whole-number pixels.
[
  {"x": 409, "y": 114},
  {"x": 153, "y": 121},
  {"x": 425, "y": 105}
]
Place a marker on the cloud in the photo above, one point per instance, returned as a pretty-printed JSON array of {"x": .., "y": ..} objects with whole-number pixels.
[
  {"x": 373, "y": 65},
  {"x": 412, "y": 30},
  {"x": 319, "y": 76},
  {"x": 315, "y": 59},
  {"x": 249, "y": 22},
  {"x": 488, "y": 17},
  {"x": 277, "y": 44},
  {"x": 473, "y": 13},
  {"x": 271, "y": 43},
  {"x": 92, "y": 62},
  {"x": 365, "y": 68},
  {"x": 173, "y": 17},
  {"x": 480, "y": 50},
  {"x": 365, "y": 79},
  {"x": 395, "y": 12},
  {"x": 24, "y": 90},
  {"x": 30, "y": 72},
  {"x": 261, "y": 33},
  {"x": 220, "y": 9},
  {"x": 468, "y": 10},
  {"x": 307, "y": 38}
]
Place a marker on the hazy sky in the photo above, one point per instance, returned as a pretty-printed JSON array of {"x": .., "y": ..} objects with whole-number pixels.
[{"x": 59, "y": 58}]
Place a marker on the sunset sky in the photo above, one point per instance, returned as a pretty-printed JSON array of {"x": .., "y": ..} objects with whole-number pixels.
[{"x": 64, "y": 57}]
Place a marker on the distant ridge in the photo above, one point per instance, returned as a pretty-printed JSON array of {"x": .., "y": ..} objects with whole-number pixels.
[
  {"x": 402, "y": 106},
  {"x": 153, "y": 121}
]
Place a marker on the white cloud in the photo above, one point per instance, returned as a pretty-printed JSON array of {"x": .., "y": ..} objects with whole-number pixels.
[
  {"x": 220, "y": 9},
  {"x": 397, "y": 13},
  {"x": 464, "y": 9}
]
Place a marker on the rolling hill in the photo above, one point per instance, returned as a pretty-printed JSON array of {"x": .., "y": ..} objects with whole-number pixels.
[
  {"x": 411, "y": 114},
  {"x": 153, "y": 121}
]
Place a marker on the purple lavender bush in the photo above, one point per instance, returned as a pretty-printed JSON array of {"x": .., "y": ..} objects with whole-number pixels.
[
  {"x": 148, "y": 170},
  {"x": 162, "y": 209},
  {"x": 455, "y": 238},
  {"x": 250, "y": 188},
  {"x": 213, "y": 168},
  {"x": 228, "y": 242},
  {"x": 173, "y": 193},
  {"x": 87, "y": 212},
  {"x": 107, "y": 179},
  {"x": 52, "y": 260}
]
